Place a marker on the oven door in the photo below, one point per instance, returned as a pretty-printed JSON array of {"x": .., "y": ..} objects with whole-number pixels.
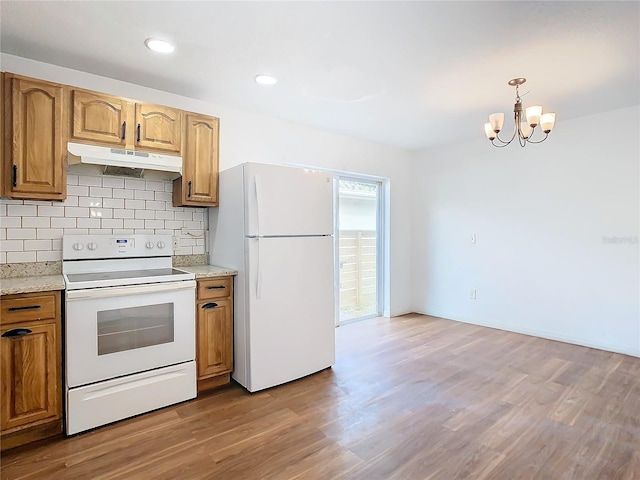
[{"x": 117, "y": 331}]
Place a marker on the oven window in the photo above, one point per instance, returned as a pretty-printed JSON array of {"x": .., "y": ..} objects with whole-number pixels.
[{"x": 135, "y": 327}]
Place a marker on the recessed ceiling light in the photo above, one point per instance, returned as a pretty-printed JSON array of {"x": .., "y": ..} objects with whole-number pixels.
[
  {"x": 266, "y": 79},
  {"x": 160, "y": 46}
]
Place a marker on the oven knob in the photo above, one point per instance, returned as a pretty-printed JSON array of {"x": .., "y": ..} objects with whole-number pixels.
[
  {"x": 161, "y": 245},
  {"x": 149, "y": 245},
  {"x": 92, "y": 246},
  {"x": 78, "y": 246}
]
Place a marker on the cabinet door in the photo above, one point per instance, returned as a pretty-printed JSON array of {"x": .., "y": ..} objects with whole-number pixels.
[
  {"x": 199, "y": 183},
  {"x": 30, "y": 372},
  {"x": 158, "y": 128},
  {"x": 103, "y": 119},
  {"x": 36, "y": 164},
  {"x": 215, "y": 338}
]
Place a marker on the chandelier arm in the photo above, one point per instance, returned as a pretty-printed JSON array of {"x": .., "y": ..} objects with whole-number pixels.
[
  {"x": 501, "y": 146},
  {"x": 539, "y": 141}
]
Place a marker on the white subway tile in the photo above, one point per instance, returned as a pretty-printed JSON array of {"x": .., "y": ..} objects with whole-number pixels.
[
  {"x": 184, "y": 251},
  {"x": 70, "y": 201},
  {"x": 164, "y": 196},
  {"x": 196, "y": 225},
  {"x": 200, "y": 241},
  {"x": 101, "y": 212},
  {"x": 113, "y": 203},
  {"x": 3, "y": 257},
  {"x": 100, "y": 231},
  {"x": 140, "y": 204},
  {"x": 168, "y": 187},
  {"x": 22, "y": 210},
  {"x": 37, "y": 202},
  {"x": 142, "y": 231},
  {"x": 10, "y": 201},
  {"x": 184, "y": 216},
  {"x": 37, "y": 245},
  {"x": 21, "y": 233},
  {"x": 155, "y": 186},
  {"x": 122, "y": 213},
  {"x": 112, "y": 223},
  {"x": 88, "y": 223},
  {"x": 56, "y": 211},
  {"x": 169, "y": 206},
  {"x": 101, "y": 192},
  {"x": 49, "y": 233},
  {"x": 56, "y": 244},
  {"x": 72, "y": 179},
  {"x": 21, "y": 257},
  {"x": 76, "y": 211},
  {"x": 154, "y": 224},
  {"x": 78, "y": 190},
  {"x": 90, "y": 201},
  {"x": 118, "y": 193},
  {"x": 11, "y": 222},
  {"x": 65, "y": 222},
  {"x": 113, "y": 182},
  {"x": 165, "y": 215},
  {"x": 187, "y": 242},
  {"x": 143, "y": 195},
  {"x": 160, "y": 231},
  {"x": 134, "y": 184},
  {"x": 198, "y": 216},
  {"x": 3, "y": 211},
  {"x": 146, "y": 214},
  {"x": 75, "y": 231},
  {"x": 49, "y": 256},
  {"x": 34, "y": 222},
  {"x": 3, "y": 233},
  {"x": 131, "y": 223},
  {"x": 11, "y": 245},
  {"x": 173, "y": 224},
  {"x": 197, "y": 250},
  {"x": 155, "y": 205},
  {"x": 89, "y": 180},
  {"x": 123, "y": 231}
]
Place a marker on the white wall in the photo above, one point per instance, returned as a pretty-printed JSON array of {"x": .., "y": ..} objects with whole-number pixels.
[
  {"x": 246, "y": 137},
  {"x": 557, "y": 228}
]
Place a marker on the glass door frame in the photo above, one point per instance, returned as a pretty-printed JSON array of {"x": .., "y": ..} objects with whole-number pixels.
[{"x": 381, "y": 188}]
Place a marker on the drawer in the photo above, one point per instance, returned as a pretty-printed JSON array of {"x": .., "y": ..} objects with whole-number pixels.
[
  {"x": 214, "y": 288},
  {"x": 28, "y": 307}
]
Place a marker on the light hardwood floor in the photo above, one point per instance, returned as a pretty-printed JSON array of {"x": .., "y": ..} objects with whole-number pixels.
[{"x": 412, "y": 397}]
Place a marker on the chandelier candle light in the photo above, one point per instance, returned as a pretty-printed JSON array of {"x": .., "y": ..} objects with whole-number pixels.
[{"x": 524, "y": 128}]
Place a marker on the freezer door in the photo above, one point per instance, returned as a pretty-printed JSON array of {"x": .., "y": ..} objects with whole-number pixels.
[
  {"x": 287, "y": 201},
  {"x": 290, "y": 319}
]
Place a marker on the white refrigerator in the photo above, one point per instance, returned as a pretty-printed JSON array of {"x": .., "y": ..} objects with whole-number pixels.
[{"x": 274, "y": 225}]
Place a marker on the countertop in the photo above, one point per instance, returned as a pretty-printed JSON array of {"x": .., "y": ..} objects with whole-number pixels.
[
  {"x": 206, "y": 271},
  {"x": 41, "y": 283}
]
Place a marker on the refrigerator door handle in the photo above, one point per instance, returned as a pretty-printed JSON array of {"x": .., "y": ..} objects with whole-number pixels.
[
  {"x": 258, "y": 185},
  {"x": 258, "y": 272}
]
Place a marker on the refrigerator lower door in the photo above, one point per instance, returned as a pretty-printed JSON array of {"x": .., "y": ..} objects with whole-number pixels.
[{"x": 290, "y": 319}]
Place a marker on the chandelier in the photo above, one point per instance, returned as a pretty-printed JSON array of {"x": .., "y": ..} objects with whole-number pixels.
[{"x": 524, "y": 127}]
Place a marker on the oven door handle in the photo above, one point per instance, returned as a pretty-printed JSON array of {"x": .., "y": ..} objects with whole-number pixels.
[{"x": 105, "y": 292}]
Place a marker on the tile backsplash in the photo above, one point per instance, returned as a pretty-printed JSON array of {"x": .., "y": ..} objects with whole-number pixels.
[{"x": 31, "y": 231}]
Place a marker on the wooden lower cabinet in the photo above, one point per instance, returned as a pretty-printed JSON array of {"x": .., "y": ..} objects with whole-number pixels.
[
  {"x": 30, "y": 350},
  {"x": 214, "y": 331}
]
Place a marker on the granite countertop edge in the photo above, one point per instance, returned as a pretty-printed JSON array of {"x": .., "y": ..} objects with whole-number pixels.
[
  {"x": 31, "y": 284},
  {"x": 209, "y": 271}
]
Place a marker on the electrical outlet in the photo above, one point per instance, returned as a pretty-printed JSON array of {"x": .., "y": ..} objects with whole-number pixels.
[
  {"x": 176, "y": 243},
  {"x": 472, "y": 294}
]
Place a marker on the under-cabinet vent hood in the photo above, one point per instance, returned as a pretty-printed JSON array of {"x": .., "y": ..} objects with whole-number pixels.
[{"x": 118, "y": 161}]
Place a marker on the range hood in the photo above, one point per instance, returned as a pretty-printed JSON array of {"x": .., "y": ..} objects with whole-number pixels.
[{"x": 83, "y": 158}]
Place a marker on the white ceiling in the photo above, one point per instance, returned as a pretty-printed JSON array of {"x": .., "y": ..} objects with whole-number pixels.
[{"x": 405, "y": 74}]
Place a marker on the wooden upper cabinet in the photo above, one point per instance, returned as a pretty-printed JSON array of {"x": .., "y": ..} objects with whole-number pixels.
[
  {"x": 158, "y": 128},
  {"x": 198, "y": 185},
  {"x": 102, "y": 119},
  {"x": 35, "y": 154}
]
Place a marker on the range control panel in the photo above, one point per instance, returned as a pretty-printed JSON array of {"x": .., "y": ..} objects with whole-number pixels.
[{"x": 82, "y": 247}]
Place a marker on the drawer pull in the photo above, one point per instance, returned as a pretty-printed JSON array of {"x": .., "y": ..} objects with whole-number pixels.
[
  {"x": 138, "y": 130},
  {"x": 28, "y": 307},
  {"x": 16, "y": 332},
  {"x": 209, "y": 305},
  {"x": 215, "y": 287},
  {"x": 124, "y": 130}
]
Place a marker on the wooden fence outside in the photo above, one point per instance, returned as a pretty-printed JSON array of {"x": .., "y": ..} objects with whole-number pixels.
[{"x": 358, "y": 279}]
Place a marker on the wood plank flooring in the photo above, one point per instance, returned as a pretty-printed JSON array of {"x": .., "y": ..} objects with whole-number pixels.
[{"x": 412, "y": 397}]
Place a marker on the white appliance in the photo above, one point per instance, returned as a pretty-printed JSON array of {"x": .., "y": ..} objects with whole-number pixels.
[
  {"x": 129, "y": 328},
  {"x": 83, "y": 158},
  {"x": 274, "y": 226}
]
